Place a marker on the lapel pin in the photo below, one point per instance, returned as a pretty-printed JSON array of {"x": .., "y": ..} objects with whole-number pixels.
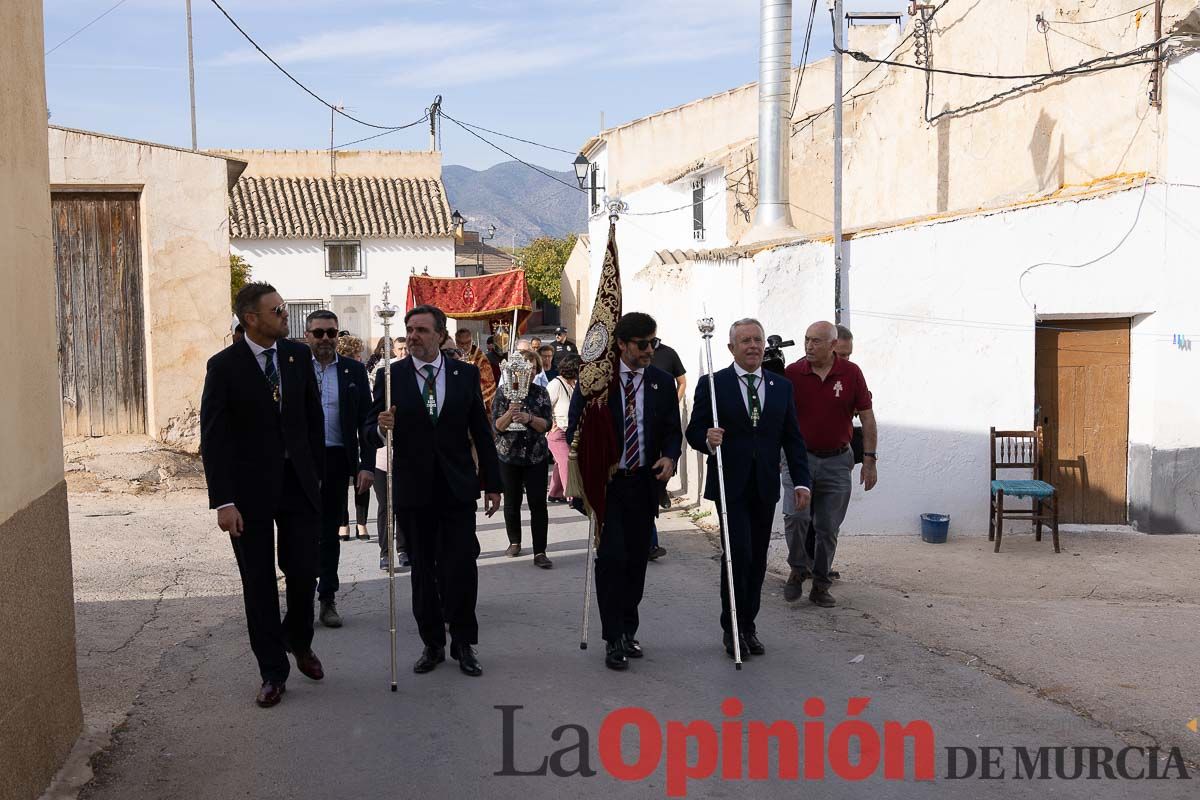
[
  {"x": 455, "y": 372},
  {"x": 654, "y": 386},
  {"x": 770, "y": 383},
  {"x": 291, "y": 359},
  {"x": 346, "y": 372}
]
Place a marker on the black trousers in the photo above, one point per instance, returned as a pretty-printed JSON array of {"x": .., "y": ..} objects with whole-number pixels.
[
  {"x": 750, "y": 520},
  {"x": 623, "y": 552},
  {"x": 380, "y": 485},
  {"x": 445, "y": 580},
  {"x": 333, "y": 509},
  {"x": 362, "y": 503},
  {"x": 298, "y": 524},
  {"x": 531, "y": 481}
]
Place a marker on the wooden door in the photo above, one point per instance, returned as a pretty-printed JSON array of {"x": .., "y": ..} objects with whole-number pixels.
[
  {"x": 354, "y": 315},
  {"x": 1082, "y": 388},
  {"x": 101, "y": 349}
]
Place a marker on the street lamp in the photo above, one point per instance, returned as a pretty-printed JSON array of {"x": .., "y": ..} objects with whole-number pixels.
[
  {"x": 582, "y": 165},
  {"x": 491, "y": 234},
  {"x": 457, "y": 219}
]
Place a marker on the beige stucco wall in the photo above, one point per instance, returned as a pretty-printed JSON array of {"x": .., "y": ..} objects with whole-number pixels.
[
  {"x": 577, "y": 297},
  {"x": 898, "y": 167},
  {"x": 39, "y": 696},
  {"x": 359, "y": 163},
  {"x": 185, "y": 260}
]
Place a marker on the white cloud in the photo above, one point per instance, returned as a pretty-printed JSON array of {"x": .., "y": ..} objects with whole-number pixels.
[{"x": 402, "y": 40}]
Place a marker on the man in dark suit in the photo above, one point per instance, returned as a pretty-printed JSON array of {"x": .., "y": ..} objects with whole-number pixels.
[
  {"x": 437, "y": 407},
  {"x": 346, "y": 401},
  {"x": 262, "y": 439},
  {"x": 645, "y": 412},
  {"x": 758, "y": 419}
]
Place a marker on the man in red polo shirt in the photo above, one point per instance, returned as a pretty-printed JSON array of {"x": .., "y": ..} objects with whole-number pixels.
[{"x": 829, "y": 391}]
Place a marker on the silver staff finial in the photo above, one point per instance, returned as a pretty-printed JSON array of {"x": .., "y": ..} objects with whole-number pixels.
[
  {"x": 385, "y": 310},
  {"x": 706, "y": 326}
]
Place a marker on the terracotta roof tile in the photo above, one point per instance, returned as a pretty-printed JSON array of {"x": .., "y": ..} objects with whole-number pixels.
[{"x": 338, "y": 208}]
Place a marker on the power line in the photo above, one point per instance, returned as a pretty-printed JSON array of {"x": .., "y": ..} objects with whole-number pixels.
[
  {"x": 812, "y": 15},
  {"x": 537, "y": 169},
  {"x": 385, "y": 133},
  {"x": 519, "y": 139},
  {"x": 310, "y": 92},
  {"x": 1097, "y": 64},
  {"x": 111, "y": 9}
]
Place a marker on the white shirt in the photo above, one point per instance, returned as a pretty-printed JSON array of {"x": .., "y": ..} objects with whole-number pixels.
[
  {"x": 759, "y": 385},
  {"x": 262, "y": 361},
  {"x": 560, "y": 402},
  {"x": 639, "y": 378},
  {"x": 439, "y": 368}
]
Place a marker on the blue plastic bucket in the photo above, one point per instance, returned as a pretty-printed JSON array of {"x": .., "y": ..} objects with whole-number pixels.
[{"x": 934, "y": 528}]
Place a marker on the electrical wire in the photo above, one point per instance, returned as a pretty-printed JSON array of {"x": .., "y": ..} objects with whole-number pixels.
[
  {"x": 384, "y": 133},
  {"x": 1101, "y": 257},
  {"x": 519, "y": 139},
  {"x": 812, "y": 15},
  {"x": 1012, "y": 327},
  {"x": 1091, "y": 65},
  {"x": 111, "y": 9},
  {"x": 1102, "y": 19},
  {"x": 310, "y": 92},
  {"x": 692, "y": 204},
  {"x": 537, "y": 169}
]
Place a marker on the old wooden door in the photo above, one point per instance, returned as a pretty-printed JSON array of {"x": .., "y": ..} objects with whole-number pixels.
[
  {"x": 100, "y": 329},
  {"x": 1082, "y": 390}
]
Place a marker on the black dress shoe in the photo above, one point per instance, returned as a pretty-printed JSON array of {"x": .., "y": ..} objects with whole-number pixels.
[
  {"x": 430, "y": 658},
  {"x": 754, "y": 645},
  {"x": 614, "y": 656},
  {"x": 270, "y": 694},
  {"x": 745, "y": 648},
  {"x": 631, "y": 646},
  {"x": 464, "y": 654}
]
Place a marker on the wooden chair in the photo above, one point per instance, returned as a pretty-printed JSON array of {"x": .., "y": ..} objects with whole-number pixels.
[{"x": 1021, "y": 450}]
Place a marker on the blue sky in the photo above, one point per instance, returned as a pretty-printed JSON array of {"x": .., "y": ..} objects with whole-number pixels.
[{"x": 539, "y": 69}]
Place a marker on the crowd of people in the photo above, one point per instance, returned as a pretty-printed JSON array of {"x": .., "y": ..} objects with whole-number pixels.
[{"x": 290, "y": 431}]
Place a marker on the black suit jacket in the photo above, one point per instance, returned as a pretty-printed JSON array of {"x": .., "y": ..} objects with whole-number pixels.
[
  {"x": 244, "y": 434},
  {"x": 662, "y": 432},
  {"x": 354, "y": 408},
  {"x": 417, "y": 443},
  {"x": 746, "y": 446}
]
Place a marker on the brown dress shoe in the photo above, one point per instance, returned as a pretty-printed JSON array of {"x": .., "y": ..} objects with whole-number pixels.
[
  {"x": 270, "y": 694},
  {"x": 309, "y": 665},
  {"x": 513, "y": 550},
  {"x": 793, "y": 590}
]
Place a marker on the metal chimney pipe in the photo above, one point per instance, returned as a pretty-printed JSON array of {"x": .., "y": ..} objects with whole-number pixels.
[{"x": 774, "y": 125}]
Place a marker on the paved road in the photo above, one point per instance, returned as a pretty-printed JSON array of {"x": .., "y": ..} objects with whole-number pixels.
[{"x": 194, "y": 732}]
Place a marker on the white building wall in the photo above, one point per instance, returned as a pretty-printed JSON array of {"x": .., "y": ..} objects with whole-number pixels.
[{"x": 296, "y": 267}]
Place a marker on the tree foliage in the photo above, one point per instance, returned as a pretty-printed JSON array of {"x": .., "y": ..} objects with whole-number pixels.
[
  {"x": 544, "y": 260},
  {"x": 239, "y": 276}
]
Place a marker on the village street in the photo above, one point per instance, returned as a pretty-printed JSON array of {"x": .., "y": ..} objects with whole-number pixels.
[{"x": 161, "y": 637}]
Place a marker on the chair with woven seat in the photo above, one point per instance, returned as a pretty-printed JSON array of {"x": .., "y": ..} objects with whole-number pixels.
[{"x": 1021, "y": 450}]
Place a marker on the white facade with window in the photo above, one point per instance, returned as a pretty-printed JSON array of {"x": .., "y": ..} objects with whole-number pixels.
[{"x": 334, "y": 243}]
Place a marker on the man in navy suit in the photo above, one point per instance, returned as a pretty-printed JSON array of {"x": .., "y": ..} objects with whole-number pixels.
[
  {"x": 263, "y": 445},
  {"x": 645, "y": 412},
  {"x": 758, "y": 419},
  {"x": 346, "y": 401},
  {"x": 437, "y": 412}
]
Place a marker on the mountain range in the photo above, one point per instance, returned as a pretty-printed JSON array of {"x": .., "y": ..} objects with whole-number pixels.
[{"x": 517, "y": 200}]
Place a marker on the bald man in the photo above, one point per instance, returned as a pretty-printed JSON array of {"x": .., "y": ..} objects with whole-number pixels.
[{"x": 829, "y": 391}]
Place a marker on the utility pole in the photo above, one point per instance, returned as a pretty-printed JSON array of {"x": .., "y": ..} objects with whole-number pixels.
[
  {"x": 434, "y": 111},
  {"x": 838, "y": 16},
  {"x": 332, "y": 152},
  {"x": 191, "y": 71}
]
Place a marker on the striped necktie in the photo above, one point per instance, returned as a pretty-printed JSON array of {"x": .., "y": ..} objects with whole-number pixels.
[{"x": 632, "y": 449}]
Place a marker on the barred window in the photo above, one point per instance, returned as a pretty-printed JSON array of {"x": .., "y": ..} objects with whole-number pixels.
[{"x": 342, "y": 260}]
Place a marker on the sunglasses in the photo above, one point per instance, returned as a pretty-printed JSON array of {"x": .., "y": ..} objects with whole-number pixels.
[
  {"x": 319, "y": 333},
  {"x": 643, "y": 344},
  {"x": 277, "y": 310}
]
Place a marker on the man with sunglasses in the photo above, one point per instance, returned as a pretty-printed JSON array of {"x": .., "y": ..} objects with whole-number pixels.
[
  {"x": 262, "y": 439},
  {"x": 346, "y": 402},
  {"x": 645, "y": 413}
]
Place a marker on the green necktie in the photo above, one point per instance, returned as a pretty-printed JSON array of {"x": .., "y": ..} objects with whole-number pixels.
[
  {"x": 430, "y": 393},
  {"x": 755, "y": 408}
]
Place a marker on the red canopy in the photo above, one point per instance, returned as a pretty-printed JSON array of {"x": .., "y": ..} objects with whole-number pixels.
[{"x": 494, "y": 296}]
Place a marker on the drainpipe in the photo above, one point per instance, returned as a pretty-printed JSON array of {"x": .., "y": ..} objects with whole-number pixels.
[{"x": 773, "y": 217}]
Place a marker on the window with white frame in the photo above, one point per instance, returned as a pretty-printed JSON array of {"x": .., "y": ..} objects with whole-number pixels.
[
  {"x": 698, "y": 208},
  {"x": 343, "y": 260}
]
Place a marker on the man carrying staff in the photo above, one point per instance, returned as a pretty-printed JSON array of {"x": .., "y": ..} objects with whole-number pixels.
[
  {"x": 438, "y": 405},
  {"x": 829, "y": 391},
  {"x": 758, "y": 419},
  {"x": 645, "y": 415},
  {"x": 262, "y": 439}
]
